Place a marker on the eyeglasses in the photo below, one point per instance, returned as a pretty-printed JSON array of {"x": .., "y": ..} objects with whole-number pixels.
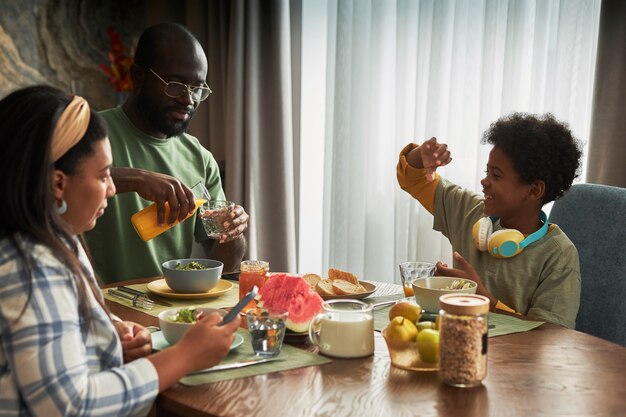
[{"x": 175, "y": 89}]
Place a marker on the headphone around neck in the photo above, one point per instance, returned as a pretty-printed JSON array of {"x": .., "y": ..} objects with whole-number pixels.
[{"x": 504, "y": 243}]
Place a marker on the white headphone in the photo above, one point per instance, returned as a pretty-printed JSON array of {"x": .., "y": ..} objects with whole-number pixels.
[{"x": 504, "y": 243}]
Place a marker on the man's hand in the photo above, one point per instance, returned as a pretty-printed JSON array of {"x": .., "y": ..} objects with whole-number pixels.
[
  {"x": 159, "y": 188},
  {"x": 136, "y": 340},
  {"x": 237, "y": 224}
]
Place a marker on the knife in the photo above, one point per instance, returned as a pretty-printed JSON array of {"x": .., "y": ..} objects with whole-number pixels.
[
  {"x": 137, "y": 292},
  {"x": 235, "y": 365}
]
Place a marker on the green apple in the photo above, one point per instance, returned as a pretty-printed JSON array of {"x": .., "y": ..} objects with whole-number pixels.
[
  {"x": 423, "y": 325},
  {"x": 428, "y": 345}
]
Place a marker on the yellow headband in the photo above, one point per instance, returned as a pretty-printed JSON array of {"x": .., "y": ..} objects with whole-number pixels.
[{"x": 70, "y": 128}]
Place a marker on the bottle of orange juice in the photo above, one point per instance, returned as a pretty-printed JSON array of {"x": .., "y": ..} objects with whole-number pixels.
[{"x": 145, "y": 221}]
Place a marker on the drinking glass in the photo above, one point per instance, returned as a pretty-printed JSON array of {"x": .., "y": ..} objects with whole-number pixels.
[
  {"x": 267, "y": 330},
  {"x": 412, "y": 270},
  {"x": 213, "y": 215}
]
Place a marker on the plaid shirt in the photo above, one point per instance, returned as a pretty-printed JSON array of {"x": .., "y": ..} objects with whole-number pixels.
[{"x": 54, "y": 362}]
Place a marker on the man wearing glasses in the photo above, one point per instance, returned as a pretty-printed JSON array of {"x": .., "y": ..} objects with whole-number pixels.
[{"x": 154, "y": 159}]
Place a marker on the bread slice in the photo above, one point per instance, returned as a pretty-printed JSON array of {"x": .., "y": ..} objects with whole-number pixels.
[
  {"x": 342, "y": 287},
  {"x": 312, "y": 280},
  {"x": 324, "y": 287},
  {"x": 334, "y": 274}
]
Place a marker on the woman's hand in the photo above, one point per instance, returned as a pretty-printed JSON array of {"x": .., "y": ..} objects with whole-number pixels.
[
  {"x": 136, "y": 340},
  {"x": 206, "y": 343}
]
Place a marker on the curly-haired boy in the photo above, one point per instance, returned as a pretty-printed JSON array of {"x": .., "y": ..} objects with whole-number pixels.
[{"x": 503, "y": 240}]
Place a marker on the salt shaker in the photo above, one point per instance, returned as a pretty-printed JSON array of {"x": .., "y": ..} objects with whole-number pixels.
[{"x": 463, "y": 339}]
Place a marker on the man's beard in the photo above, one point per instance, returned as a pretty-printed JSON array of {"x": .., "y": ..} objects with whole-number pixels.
[{"x": 156, "y": 117}]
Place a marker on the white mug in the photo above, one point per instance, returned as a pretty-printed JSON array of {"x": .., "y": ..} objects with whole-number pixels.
[{"x": 345, "y": 329}]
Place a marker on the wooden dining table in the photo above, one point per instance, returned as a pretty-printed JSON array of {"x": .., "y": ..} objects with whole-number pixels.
[{"x": 548, "y": 371}]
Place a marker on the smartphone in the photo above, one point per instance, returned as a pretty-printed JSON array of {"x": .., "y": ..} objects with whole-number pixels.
[{"x": 240, "y": 305}]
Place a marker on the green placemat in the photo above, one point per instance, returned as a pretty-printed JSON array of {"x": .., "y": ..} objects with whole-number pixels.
[
  {"x": 229, "y": 299},
  {"x": 292, "y": 358},
  {"x": 499, "y": 324}
]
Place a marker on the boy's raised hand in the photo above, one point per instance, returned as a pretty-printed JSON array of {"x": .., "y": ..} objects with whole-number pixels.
[{"x": 434, "y": 155}]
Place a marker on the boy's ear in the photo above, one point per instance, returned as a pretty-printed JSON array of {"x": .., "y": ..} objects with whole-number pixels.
[{"x": 537, "y": 190}]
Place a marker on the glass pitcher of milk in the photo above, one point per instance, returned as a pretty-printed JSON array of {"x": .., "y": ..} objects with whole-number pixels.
[{"x": 344, "y": 329}]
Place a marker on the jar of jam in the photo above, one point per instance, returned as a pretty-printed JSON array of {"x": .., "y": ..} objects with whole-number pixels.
[
  {"x": 463, "y": 339},
  {"x": 252, "y": 273}
]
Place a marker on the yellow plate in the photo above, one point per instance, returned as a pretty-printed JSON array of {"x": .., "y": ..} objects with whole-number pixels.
[
  {"x": 161, "y": 288},
  {"x": 369, "y": 287}
]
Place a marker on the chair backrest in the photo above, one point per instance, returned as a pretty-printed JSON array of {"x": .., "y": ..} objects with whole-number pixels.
[{"x": 594, "y": 218}]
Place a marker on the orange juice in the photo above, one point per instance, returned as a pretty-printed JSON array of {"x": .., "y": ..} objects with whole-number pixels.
[
  {"x": 145, "y": 221},
  {"x": 408, "y": 291}
]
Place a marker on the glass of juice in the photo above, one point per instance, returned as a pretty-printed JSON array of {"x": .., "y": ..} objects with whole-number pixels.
[
  {"x": 413, "y": 270},
  {"x": 251, "y": 273}
]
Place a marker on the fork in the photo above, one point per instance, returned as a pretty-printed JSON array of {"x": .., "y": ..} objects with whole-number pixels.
[
  {"x": 137, "y": 300},
  {"x": 137, "y": 292}
]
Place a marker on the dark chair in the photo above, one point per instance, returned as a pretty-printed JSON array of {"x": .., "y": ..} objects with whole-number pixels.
[{"x": 594, "y": 218}]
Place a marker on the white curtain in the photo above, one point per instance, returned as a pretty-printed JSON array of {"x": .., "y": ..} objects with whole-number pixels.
[{"x": 376, "y": 75}]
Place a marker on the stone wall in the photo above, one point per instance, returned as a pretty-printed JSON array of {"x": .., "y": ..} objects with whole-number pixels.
[{"x": 61, "y": 43}]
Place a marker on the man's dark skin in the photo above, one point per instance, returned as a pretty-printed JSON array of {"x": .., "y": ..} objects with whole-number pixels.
[{"x": 177, "y": 56}]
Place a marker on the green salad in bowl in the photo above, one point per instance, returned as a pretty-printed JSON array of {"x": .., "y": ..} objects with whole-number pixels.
[
  {"x": 192, "y": 276},
  {"x": 191, "y": 266},
  {"x": 184, "y": 315},
  {"x": 174, "y": 322}
]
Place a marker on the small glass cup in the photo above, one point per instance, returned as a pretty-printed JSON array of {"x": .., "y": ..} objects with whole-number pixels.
[
  {"x": 413, "y": 270},
  {"x": 267, "y": 330},
  {"x": 213, "y": 215}
]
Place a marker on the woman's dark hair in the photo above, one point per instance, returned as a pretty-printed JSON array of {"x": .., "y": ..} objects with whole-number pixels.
[
  {"x": 27, "y": 120},
  {"x": 541, "y": 148}
]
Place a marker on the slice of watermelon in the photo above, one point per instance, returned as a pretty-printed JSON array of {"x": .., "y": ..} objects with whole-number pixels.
[{"x": 291, "y": 293}]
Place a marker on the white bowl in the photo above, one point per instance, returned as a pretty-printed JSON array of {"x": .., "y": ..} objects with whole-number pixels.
[
  {"x": 428, "y": 290},
  {"x": 174, "y": 331},
  {"x": 188, "y": 281}
]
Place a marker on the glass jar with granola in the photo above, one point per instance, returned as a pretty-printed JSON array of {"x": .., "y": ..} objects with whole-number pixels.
[{"x": 463, "y": 339}]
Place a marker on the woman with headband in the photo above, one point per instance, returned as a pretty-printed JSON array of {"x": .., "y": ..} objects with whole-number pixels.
[{"x": 61, "y": 351}]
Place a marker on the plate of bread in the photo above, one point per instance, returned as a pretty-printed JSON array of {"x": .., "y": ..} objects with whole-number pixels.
[{"x": 339, "y": 284}]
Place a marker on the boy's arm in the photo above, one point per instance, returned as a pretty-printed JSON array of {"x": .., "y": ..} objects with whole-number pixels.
[{"x": 413, "y": 179}]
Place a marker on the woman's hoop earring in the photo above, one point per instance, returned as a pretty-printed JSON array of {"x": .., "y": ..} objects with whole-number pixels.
[{"x": 62, "y": 208}]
